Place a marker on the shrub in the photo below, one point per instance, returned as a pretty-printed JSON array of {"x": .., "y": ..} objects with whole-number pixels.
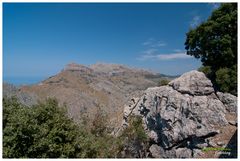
[
  {"x": 99, "y": 123},
  {"x": 42, "y": 131},
  {"x": 163, "y": 82},
  {"x": 135, "y": 140}
]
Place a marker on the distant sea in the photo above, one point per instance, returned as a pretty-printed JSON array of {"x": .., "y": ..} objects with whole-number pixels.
[{"x": 19, "y": 81}]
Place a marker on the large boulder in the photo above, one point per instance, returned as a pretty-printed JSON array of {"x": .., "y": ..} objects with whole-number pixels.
[
  {"x": 178, "y": 118},
  {"x": 194, "y": 83}
]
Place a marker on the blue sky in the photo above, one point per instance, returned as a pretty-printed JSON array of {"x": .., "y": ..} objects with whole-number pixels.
[{"x": 39, "y": 39}]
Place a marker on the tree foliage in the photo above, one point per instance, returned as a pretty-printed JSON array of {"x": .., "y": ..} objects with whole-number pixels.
[
  {"x": 40, "y": 131},
  {"x": 215, "y": 43},
  {"x": 45, "y": 131}
]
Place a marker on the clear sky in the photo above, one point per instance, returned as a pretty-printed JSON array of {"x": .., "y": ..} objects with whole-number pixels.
[{"x": 39, "y": 39}]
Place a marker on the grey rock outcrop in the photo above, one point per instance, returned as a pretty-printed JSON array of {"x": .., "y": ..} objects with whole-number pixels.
[
  {"x": 194, "y": 83},
  {"x": 230, "y": 101},
  {"x": 178, "y": 118}
]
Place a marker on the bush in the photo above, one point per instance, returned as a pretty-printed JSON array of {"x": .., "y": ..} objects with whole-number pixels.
[
  {"x": 135, "y": 129},
  {"x": 44, "y": 131},
  {"x": 163, "y": 82},
  {"x": 135, "y": 140},
  {"x": 99, "y": 123}
]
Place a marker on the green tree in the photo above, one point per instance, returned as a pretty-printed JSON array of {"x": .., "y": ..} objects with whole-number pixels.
[
  {"x": 206, "y": 70},
  {"x": 41, "y": 131},
  {"x": 215, "y": 43},
  {"x": 225, "y": 77}
]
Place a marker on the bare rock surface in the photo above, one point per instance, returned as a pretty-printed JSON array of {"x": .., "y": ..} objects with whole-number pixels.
[
  {"x": 194, "y": 83},
  {"x": 230, "y": 101},
  {"x": 180, "y": 117}
]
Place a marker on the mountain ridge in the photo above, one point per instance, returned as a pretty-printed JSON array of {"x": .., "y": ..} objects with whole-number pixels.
[{"x": 84, "y": 89}]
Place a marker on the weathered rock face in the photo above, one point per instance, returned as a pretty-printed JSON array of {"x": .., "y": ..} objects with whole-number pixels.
[
  {"x": 178, "y": 118},
  {"x": 230, "y": 101},
  {"x": 194, "y": 83}
]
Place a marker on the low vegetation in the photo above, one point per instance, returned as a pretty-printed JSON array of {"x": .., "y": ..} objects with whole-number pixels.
[
  {"x": 44, "y": 131},
  {"x": 134, "y": 138},
  {"x": 163, "y": 82}
]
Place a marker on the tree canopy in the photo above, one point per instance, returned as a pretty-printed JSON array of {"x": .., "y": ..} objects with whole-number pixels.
[
  {"x": 215, "y": 43},
  {"x": 40, "y": 131}
]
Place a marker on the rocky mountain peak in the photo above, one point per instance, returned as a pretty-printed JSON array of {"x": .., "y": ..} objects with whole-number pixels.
[
  {"x": 77, "y": 67},
  {"x": 110, "y": 69},
  {"x": 114, "y": 69}
]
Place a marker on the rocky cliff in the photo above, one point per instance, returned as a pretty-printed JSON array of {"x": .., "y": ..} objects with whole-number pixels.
[{"x": 186, "y": 116}]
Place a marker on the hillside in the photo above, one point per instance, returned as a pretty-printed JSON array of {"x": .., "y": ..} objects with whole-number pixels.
[
  {"x": 86, "y": 90},
  {"x": 187, "y": 118},
  {"x": 10, "y": 90}
]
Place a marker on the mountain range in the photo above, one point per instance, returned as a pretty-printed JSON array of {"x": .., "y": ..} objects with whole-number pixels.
[{"x": 87, "y": 89}]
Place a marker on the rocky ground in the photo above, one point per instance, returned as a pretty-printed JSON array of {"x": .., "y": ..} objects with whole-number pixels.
[{"x": 187, "y": 119}]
